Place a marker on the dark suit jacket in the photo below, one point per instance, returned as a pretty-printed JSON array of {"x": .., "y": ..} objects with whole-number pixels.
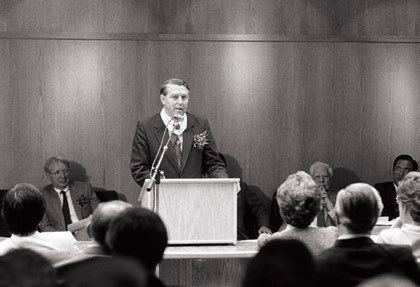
[
  {"x": 350, "y": 261},
  {"x": 54, "y": 218},
  {"x": 388, "y": 194},
  {"x": 195, "y": 162},
  {"x": 249, "y": 204}
]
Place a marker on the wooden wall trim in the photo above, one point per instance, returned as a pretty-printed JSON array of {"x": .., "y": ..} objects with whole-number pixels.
[{"x": 206, "y": 37}]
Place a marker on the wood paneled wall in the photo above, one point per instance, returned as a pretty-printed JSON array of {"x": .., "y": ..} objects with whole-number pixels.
[{"x": 76, "y": 76}]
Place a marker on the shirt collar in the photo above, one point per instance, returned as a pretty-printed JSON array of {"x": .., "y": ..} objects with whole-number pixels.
[
  {"x": 167, "y": 120},
  {"x": 59, "y": 190},
  {"x": 18, "y": 236},
  {"x": 350, "y": 236}
]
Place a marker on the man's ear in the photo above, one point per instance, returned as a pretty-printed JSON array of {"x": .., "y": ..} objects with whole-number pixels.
[
  {"x": 88, "y": 230},
  {"x": 162, "y": 98}
]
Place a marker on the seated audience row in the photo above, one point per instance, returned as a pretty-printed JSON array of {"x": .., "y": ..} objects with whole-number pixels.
[{"x": 354, "y": 257}]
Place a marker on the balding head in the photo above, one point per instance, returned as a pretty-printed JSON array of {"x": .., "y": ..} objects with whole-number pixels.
[{"x": 102, "y": 218}]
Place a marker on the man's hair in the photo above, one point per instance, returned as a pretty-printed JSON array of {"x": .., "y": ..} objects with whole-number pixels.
[
  {"x": 299, "y": 200},
  {"x": 281, "y": 262},
  {"x": 177, "y": 82},
  {"x": 23, "y": 209},
  {"x": 408, "y": 193},
  {"x": 358, "y": 207},
  {"x": 102, "y": 217},
  {"x": 55, "y": 159},
  {"x": 406, "y": 157},
  {"x": 140, "y": 234},
  {"x": 26, "y": 268},
  {"x": 321, "y": 165}
]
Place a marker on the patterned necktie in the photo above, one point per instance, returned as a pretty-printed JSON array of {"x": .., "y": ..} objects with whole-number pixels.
[
  {"x": 176, "y": 143},
  {"x": 66, "y": 209}
]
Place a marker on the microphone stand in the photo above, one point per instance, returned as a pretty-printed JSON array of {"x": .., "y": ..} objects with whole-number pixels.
[{"x": 155, "y": 179}]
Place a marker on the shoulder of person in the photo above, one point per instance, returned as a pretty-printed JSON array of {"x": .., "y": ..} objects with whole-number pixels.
[
  {"x": 47, "y": 188},
  {"x": 58, "y": 235},
  {"x": 383, "y": 184}
]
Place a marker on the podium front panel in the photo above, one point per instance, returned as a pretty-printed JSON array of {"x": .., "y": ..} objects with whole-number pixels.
[{"x": 199, "y": 211}]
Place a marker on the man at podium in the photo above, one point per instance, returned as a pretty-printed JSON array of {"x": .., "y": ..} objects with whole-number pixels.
[{"x": 191, "y": 152}]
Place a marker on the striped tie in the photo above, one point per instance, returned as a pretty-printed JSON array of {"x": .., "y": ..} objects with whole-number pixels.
[{"x": 176, "y": 143}]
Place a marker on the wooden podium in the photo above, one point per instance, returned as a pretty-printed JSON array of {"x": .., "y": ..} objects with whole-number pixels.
[{"x": 197, "y": 211}]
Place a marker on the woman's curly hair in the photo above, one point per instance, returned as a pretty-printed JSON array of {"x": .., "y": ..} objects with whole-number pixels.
[
  {"x": 408, "y": 193},
  {"x": 299, "y": 200}
]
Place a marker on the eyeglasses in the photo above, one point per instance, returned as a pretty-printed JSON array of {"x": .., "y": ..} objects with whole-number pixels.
[{"x": 60, "y": 172}]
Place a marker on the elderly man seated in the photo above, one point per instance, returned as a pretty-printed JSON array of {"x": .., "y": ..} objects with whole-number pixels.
[
  {"x": 299, "y": 203},
  {"x": 23, "y": 210},
  {"x": 355, "y": 257},
  {"x": 322, "y": 173}
]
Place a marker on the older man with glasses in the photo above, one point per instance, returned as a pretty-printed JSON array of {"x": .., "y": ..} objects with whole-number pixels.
[{"x": 66, "y": 201}]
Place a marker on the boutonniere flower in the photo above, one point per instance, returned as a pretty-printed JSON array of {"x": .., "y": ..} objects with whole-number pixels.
[
  {"x": 200, "y": 140},
  {"x": 82, "y": 201}
]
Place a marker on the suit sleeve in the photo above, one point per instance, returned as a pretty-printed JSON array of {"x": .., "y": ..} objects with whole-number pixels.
[
  {"x": 93, "y": 199},
  {"x": 45, "y": 225},
  {"x": 140, "y": 159},
  {"x": 212, "y": 163},
  {"x": 257, "y": 207}
]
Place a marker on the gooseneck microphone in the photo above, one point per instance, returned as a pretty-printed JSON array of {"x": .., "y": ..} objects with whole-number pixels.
[{"x": 154, "y": 169}]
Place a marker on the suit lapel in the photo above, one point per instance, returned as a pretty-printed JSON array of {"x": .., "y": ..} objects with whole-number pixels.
[
  {"x": 74, "y": 196},
  {"x": 159, "y": 127},
  {"x": 55, "y": 207},
  {"x": 187, "y": 141}
]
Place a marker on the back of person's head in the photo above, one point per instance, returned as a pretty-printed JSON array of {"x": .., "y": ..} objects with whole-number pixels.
[
  {"x": 358, "y": 207},
  {"x": 406, "y": 157},
  {"x": 26, "y": 268},
  {"x": 408, "y": 193},
  {"x": 281, "y": 262},
  {"x": 102, "y": 217},
  {"x": 23, "y": 209},
  {"x": 138, "y": 233},
  {"x": 298, "y": 199},
  {"x": 104, "y": 271},
  {"x": 387, "y": 280}
]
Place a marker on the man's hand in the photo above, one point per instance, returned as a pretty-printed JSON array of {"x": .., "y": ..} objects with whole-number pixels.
[
  {"x": 325, "y": 201},
  {"x": 265, "y": 230}
]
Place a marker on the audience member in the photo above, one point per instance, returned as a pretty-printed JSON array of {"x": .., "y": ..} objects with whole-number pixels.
[
  {"x": 66, "y": 201},
  {"x": 23, "y": 210},
  {"x": 26, "y": 268},
  {"x": 251, "y": 211},
  {"x": 280, "y": 262},
  {"x": 408, "y": 199},
  {"x": 355, "y": 257},
  {"x": 386, "y": 280},
  {"x": 321, "y": 174},
  {"x": 101, "y": 220},
  {"x": 299, "y": 202},
  {"x": 103, "y": 271},
  {"x": 403, "y": 164},
  {"x": 140, "y": 234}
]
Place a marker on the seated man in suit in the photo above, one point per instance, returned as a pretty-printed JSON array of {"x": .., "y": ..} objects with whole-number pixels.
[
  {"x": 66, "y": 201},
  {"x": 355, "y": 257},
  {"x": 403, "y": 164},
  {"x": 321, "y": 173},
  {"x": 23, "y": 210},
  {"x": 139, "y": 234},
  {"x": 192, "y": 150}
]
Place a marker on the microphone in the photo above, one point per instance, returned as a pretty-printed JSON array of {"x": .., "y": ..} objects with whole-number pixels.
[{"x": 177, "y": 118}]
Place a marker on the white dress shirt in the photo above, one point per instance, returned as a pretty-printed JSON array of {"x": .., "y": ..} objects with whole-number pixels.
[
  {"x": 73, "y": 215},
  {"x": 169, "y": 123}
]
